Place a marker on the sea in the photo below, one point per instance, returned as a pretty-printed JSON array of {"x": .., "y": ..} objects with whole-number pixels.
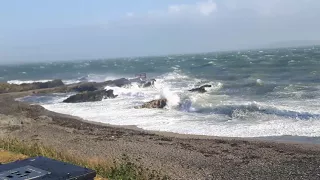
[{"x": 254, "y": 93}]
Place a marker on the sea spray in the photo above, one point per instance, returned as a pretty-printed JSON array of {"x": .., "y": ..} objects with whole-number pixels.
[
  {"x": 259, "y": 82},
  {"x": 129, "y": 92},
  {"x": 173, "y": 99}
]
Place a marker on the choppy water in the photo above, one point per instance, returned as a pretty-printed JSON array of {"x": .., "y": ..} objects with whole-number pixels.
[{"x": 255, "y": 93}]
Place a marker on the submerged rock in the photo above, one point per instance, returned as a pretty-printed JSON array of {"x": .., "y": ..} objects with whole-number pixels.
[
  {"x": 159, "y": 103},
  {"x": 200, "y": 89},
  {"x": 90, "y": 96}
]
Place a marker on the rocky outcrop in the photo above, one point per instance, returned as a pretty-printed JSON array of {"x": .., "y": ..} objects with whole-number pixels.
[
  {"x": 148, "y": 83},
  {"x": 7, "y": 88},
  {"x": 49, "y": 84},
  {"x": 200, "y": 89},
  {"x": 120, "y": 82},
  {"x": 90, "y": 96},
  {"x": 159, "y": 103},
  {"x": 85, "y": 87},
  {"x": 127, "y": 82}
]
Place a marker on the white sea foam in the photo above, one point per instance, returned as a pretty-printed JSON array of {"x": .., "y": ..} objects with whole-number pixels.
[
  {"x": 25, "y": 81},
  {"x": 120, "y": 112},
  {"x": 172, "y": 98},
  {"x": 259, "y": 82},
  {"x": 71, "y": 81},
  {"x": 193, "y": 113}
]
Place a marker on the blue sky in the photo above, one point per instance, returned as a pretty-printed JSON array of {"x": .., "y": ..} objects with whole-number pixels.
[
  {"x": 52, "y": 30},
  {"x": 59, "y": 13}
]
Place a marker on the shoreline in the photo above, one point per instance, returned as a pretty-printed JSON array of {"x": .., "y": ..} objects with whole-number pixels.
[
  {"x": 64, "y": 89},
  {"x": 301, "y": 140},
  {"x": 180, "y": 156},
  {"x": 280, "y": 139}
]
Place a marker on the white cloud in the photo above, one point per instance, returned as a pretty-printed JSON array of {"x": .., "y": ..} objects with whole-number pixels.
[
  {"x": 130, "y": 14},
  {"x": 205, "y": 8},
  {"x": 177, "y": 8}
]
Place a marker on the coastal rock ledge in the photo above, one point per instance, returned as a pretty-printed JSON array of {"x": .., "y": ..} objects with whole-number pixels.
[
  {"x": 159, "y": 103},
  {"x": 8, "y": 88},
  {"x": 90, "y": 96}
]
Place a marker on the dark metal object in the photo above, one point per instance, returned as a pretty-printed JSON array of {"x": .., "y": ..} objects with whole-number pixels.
[
  {"x": 42, "y": 168},
  {"x": 26, "y": 172}
]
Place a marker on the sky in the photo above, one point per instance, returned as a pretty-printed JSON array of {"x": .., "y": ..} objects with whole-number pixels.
[{"x": 54, "y": 30}]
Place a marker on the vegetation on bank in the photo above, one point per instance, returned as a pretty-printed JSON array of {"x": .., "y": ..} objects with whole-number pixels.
[{"x": 123, "y": 169}]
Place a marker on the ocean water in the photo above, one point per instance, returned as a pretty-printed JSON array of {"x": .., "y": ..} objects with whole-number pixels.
[{"x": 255, "y": 93}]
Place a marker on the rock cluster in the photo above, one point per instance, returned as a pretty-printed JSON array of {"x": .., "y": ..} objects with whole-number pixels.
[
  {"x": 90, "y": 96},
  {"x": 159, "y": 103},
  {"x": 200, "y": 89}
]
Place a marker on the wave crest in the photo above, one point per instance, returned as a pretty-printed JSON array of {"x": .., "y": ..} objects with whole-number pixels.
[{"x": 233, "y": 111}]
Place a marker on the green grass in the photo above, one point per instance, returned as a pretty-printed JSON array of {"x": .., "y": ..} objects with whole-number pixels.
[{"x": 122, "y": 169}]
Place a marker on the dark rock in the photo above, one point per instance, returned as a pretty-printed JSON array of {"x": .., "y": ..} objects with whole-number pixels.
[
  {"x": 127, "y": 82},
  {"x": 90, "y": 96},
  {"x": 109, "y": 94},
  {"x": 120, "y": 82},
  {"x": 200, "y": 89},
  {"x": 85, "y": 87},
  {"x": 159, "y": 103},
  {"x": 49, "y": 84},
  {"x": 148, "y": 84}
]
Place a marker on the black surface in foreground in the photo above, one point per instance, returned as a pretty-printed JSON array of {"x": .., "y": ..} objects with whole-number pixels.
[{"x": 40, "y": 168}]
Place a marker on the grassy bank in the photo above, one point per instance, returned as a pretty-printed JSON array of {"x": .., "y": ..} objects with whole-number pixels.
[
  {"x": 122, "y": 169},
  {"x": 6, "y": 156}
]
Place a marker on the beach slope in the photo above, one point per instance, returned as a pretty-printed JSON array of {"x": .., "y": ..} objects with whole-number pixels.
[{"x": 177, "y": 156}]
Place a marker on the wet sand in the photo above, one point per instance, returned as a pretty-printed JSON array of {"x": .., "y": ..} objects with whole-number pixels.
[{"x": 176, "y": 155}]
